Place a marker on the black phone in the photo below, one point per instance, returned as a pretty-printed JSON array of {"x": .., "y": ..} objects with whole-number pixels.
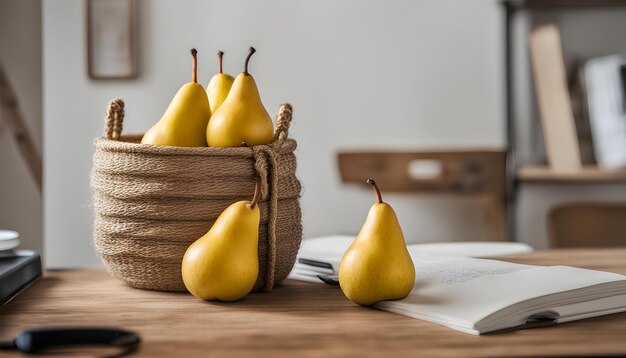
[{"x": 39, "y": 340}]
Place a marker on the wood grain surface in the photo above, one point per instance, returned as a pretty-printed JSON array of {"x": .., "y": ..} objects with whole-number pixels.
[{"x": 299, "y": 319}]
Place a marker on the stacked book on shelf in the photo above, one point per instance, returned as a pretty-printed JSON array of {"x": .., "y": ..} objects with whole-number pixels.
[{"x": 583, "y": 120}]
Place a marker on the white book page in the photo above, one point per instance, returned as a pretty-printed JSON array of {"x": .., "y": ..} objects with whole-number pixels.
[
  {"x": 591, "y": 308},
  {"x": 465, "y": 290}
]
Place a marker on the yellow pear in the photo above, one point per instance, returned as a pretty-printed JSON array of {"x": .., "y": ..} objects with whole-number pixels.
[
  {"x": 377, "y": 266},
  {"x": 218, "y": 86},
  {"x": 242, "y": 117},
  {"x": 223, "y": 264},
  {"x": 184, "y": 122}
]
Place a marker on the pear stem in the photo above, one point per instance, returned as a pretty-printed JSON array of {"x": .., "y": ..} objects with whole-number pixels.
[
  {"x": 257, "y": 193},
  {"x": 371, "y": 182},
  {"x": 251, "y": 52},
  {"x": 194, "y": 66},
  {"x": 219, "y": 61}
]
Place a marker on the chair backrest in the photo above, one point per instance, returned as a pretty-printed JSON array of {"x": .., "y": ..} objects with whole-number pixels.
[
  {"x": 588, "y": 225},
  {"x": 479, "y": 173}
]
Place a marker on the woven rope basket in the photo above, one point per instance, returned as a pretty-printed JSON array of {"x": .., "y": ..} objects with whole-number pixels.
[{"x": 152, "y": 202}]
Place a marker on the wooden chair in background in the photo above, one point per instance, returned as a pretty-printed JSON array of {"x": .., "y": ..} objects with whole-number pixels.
[
  {"x": 11, "y": 115},
  {"x": 476, "y": 173},
  {"x": 587, "y": 225}
]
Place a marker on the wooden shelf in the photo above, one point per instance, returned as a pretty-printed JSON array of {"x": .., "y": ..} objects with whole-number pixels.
[
  {"x": 591, "y": 174},
  {"x": 539, "y": 4}
]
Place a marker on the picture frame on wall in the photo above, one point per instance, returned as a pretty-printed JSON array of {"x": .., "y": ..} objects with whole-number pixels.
[{"x": 111, "y": 39}]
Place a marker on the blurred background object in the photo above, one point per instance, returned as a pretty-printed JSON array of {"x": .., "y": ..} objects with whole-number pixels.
[
  {"x": 12, "y": 117},
  {"x": 112, "y": 39},
  {"x": 474, "y": 174},
  {"x": 588, "y": 225},
  {"x": 21, "y": 57},
  {"x": 605, "y": 85}
]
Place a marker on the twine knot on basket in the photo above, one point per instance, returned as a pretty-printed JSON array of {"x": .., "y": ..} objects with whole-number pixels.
[{"x": 152, "y": 202}]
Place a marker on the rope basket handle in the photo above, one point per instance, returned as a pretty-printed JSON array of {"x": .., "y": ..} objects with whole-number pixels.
[
  {"x": 114, "y": 119},
  {"x": 283, "y": 121}
]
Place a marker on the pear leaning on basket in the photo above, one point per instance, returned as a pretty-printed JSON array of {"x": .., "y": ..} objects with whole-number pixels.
[{"x": 223, "y": 264}]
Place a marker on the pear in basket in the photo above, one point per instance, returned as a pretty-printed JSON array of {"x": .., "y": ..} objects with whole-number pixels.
[
  {"x": 242, "y": 117},
  {"x": 223, "y": 264},
  {"x": 184, "y": 122},
  {"x": 377, "y": 266},
  {"x": 219, "y": 85}
]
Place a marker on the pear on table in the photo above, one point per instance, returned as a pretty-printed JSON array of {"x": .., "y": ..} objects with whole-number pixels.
[
  {"x": 377, "y": 266},
  {"x": 242, "y": 116},
  {"x": 219, "y": 86},
  {"x": 184, "y": 122},
  {"x": 223, "y": 264}
]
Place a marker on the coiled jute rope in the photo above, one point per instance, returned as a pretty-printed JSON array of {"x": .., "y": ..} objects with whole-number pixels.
[
  {"x": 152, "y": 202},
  {"x": 114, "y": 118}
]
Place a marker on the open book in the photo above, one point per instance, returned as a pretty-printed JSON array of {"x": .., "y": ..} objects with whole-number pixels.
[{"x": 478, "y": 296}]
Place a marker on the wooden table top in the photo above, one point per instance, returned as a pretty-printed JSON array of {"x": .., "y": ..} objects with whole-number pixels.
[{"x": 298, "y": 319}]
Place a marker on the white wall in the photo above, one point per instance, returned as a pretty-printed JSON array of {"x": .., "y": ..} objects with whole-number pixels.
[
  {"x": 404, "y": 74},
  {"x": 20, "y": 53}
]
